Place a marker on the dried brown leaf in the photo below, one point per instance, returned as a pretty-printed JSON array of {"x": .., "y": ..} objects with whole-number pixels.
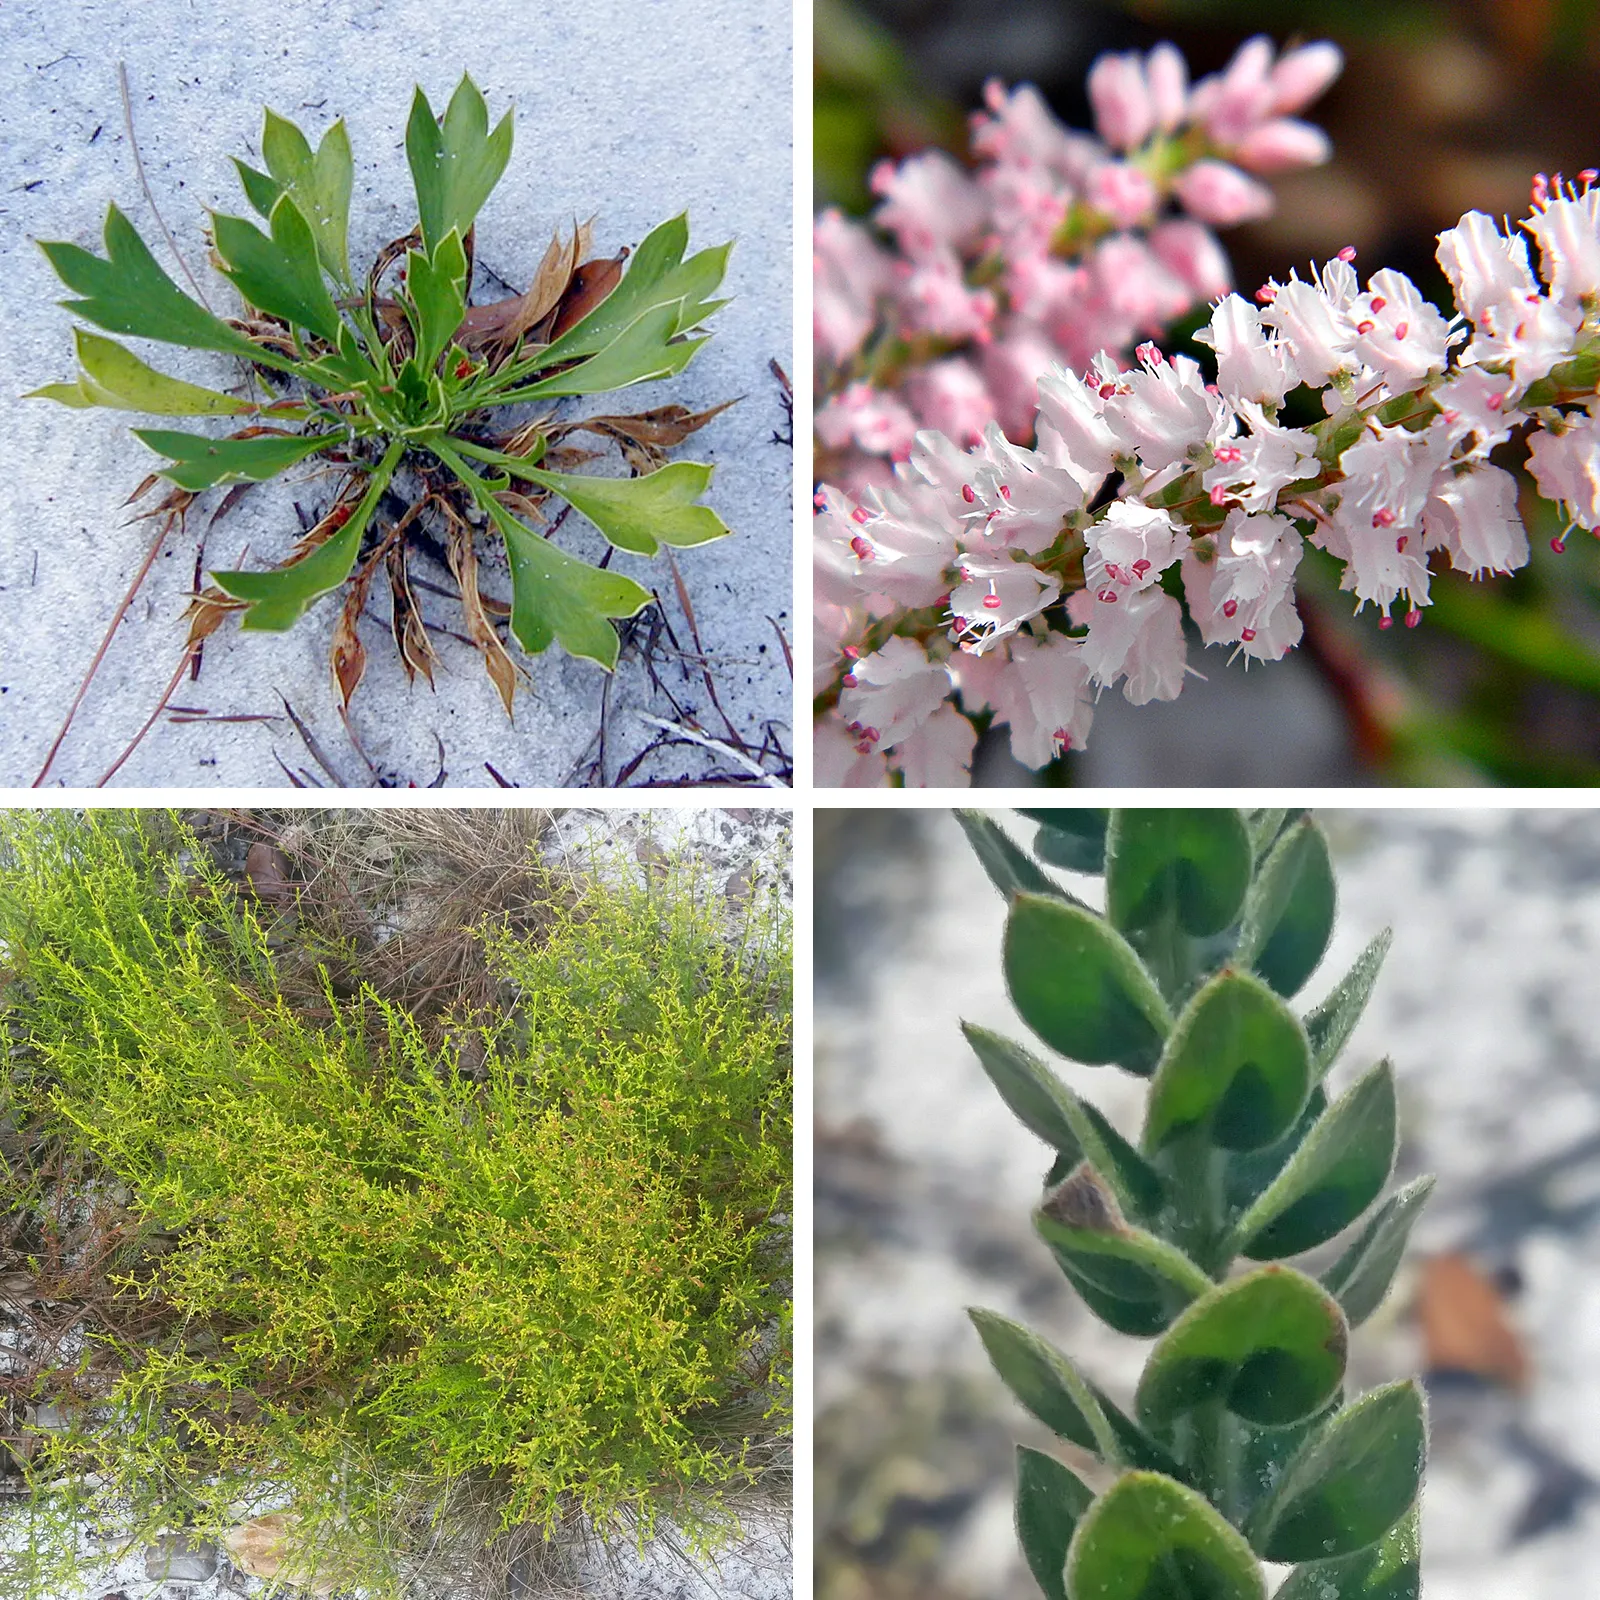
[
  {"x": 405, "y": 620},
  {"x": 347, "y": 656},
  {"x": 504, "y": 322},
  {"x": 206, "y": 613},
  {"x": 267, "y": 868},
  {"x": 591, "y": 283},
  {"x": 497, "y": 662}
]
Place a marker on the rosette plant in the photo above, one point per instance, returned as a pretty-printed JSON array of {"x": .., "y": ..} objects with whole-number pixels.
[
  {"x": 1242, "y": 1445},
  {"x": 382, "y": 375}
]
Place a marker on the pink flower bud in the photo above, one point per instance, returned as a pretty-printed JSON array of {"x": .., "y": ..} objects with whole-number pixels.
[
  {"x": 1283, "y": 145},
  {"x": 1167, "y": 74},
  {"x": 1122, "y": 192},
  {"x": 1189, "y": 250},
  {"x": 1303, "y": 74},
  {"x": 1124, "y": 112},
  {"x": 1220, "y": 193}
]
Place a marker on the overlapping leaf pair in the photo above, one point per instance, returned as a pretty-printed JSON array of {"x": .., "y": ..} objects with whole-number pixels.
[
  {"x": 375, "y": 382},
  {"x": 1241, "y": 1446}
]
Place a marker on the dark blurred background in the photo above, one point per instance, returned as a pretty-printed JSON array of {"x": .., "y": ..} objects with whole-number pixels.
[{"x": 1444, "y": 106}]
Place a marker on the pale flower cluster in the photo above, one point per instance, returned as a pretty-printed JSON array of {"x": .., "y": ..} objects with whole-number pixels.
[
  {"x": 1006, "y": 575},
  {"x": 1057, "y": 246}
]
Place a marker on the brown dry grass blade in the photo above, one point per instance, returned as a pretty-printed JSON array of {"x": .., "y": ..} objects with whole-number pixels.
[
  {"x": 405, "y": 621},
  {"x": 662, "y": 428},
  {"x": 206, "y": 613},
  {"x": 497, "y": 662}
]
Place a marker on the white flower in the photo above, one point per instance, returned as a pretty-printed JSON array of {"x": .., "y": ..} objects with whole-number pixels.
[
  {"x": 1315, "y": 321},
  {"x": 1137, "y": 633},
  {"x": 1161, "y": 411},
  {"x": 839, "y": 760},
  {"x": 1130, "y": 546},
  {"x": 1073, "y": 431},
  {"x": 1566, "y": 466},
  {"x": 889, "y": 695},
  {"x": 1043, "y": 692},
  {"x": 1474, "y": 404},
  {"x": 1473, "y": 515},
  {"x": 938, "y": 755},
  {"x": 995, "y": 597},
  {"x": 1484, "y": 267},
  {"x": 1241, "y": 587},
  {"x": 1567, "y": 227},
  {"x": 1255, "y": 468},
  {"x": 1398, "y": 332},
  {"x": 1250, "y": 366}
]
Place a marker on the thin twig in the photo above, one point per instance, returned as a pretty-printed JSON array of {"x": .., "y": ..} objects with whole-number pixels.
[
  {"x": 696, "y": 737},
  {"x": 144, "y": 183},
  {"x": 150, "y": 721}
]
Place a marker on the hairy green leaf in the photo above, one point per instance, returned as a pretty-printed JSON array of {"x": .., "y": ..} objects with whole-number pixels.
[
  {"x": 1288, "y": 913},
  {"x": 1191, "y": 863},
  {"x": 1078, "y": 984},
  {"x": 1332, "y": 1178},
  {"x": 1360, "y": 1278},
  {"x": 113, "y": 376},
  {"x": 1237, "y": 1064},
  {"x": 1151, "y": 1538},
  {"x": 1073, "y": 837},
  {"x": 1050, "y": 1500},
  {"x": 1270, "y": 1346},
  {"x": 1329, "y": 1027},
  {"x": 454, "y": 166},
  {"x": 281, "y": 275},
  {"x": 1009, "y": 867},
  {"x": 127, "y": 292},
  {"x": 200, "y": 462},
  {"x": 1351, "y": 1483},
  {"x": 1047, "y": 1383},
  {"x": 1391, "y": 1569}
]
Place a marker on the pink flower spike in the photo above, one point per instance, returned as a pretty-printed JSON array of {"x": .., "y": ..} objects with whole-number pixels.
[
  {"x": 1301, "y": 75},
  {"x": 1124, "y": 112},
  {"x": 1219, "y": 193}
]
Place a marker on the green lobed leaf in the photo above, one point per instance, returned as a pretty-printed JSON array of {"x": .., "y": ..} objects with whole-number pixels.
[
  {"x": 1237, "y": 1064},
  {"x": 647, "y": 349},
  {"x": 656, "y": 276},
  {"x": 1360, "y": 1278},
  {"x": 1193, "y": 863},
  {"x": 113, "y": 376},
  {"x": 1132, "y": 1280},
  {"x": 319, "y": 185},
  {"x": 1078, "y": 984},
  {"x": 260, "y": 189},
  {"x": 279, "y": 598},
  {"x": 1351, "y": 1483},
  {"x": 1270, "y": 1346},
  {"x": 1062, "y": 1119},
  {"x": 555, "y": 596},
  {"x": 1073, "y": 837},
  {"x": 1050, "y": 1500},
  {"x": 437, "y": 286},
  {"x": 127, "y": 292},
  {"x": 1389, "y": 1570},
  {"x": 641, "y": 514},
  {"x": 1329, "y": 1027},
  {"x": 1149, "y": 1537},
  {"x": 454, "y": 166},
  {"x": 1009, "y": 867},
  {"x": 1331, "y": 1179},
  {"x": 280, "y": 274},
  {"x": 1046, "y": 1383},
  {"x": 1289, "y": 911},
  {"x": 200, "y": 462}
]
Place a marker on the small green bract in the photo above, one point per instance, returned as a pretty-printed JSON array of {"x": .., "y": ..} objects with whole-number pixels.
[{"x": 378, "y": 382}]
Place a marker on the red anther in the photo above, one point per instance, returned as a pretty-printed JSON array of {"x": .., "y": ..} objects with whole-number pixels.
[
  {"x": 1365, "y": 327},
  {"x": 1062, "y": 738},
  {"x": 969, "y": 494},
  {"x": 1229, "y": 607},
  {"x": 1413, "y": 617},
  {"x": 1247, "y": 634},
  {"x": 864, "y": 748},
  {"x": 1588, "y": 175},
  {"x": 1383, "y": 517},
  {"x": 1452, "y": 417},
  {"x": 849, "y": 680},
  {"x": 862, "y": 548},
  {"x": 1140, "y": 567},
  {"x": 1385, "y": 622},
  {"x": 1401, "y": 543},
  {"x": 1114, "y": 570},
  {"x": 1107, "y": 390},
  {"x": 853, "y": 727},
  {"x": 1522, "y": 330},
  {"x": 1212, "y": 388},
  {"x": 991, "y": 602},
  {"x": 1266, "y": 294},
  {"x": 1401, "y": 329},
  {"x": 1109, "y": 596},
  {"x": 1495, "y": 401},
  {"x": 1227, "y": 454},
  {"x": 1218, "y": 494},
  {"x": 1348, "y": 253},
  {"x": 1378, "y": 302},
  {"x": 871, "y": 735},
  {"x": 852, "y": 652},
  {"x": 861, "y": 515},
  {"x": 1005, "y": 492},
  {"x": 1559, "y": 545}
]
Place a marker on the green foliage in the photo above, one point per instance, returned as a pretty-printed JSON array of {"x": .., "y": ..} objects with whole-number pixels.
[
  {"x": 558, "y": 1278},
  {"x": 1241, "y": 1447},
  {"x": 411, "y": 379}
]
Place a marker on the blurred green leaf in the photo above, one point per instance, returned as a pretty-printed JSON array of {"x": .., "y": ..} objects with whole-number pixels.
[
  {"x": 1193, "y": 863},
  {"x": 1073, "y": 837},
  {"x": 1047, "y": 1383},
  {"x": 1360, "y": 1278},
  {"x": 1009, "y": 868},
  {"x": 1391, "y": 1569},
  {"x": 1329, "y": 1027},
  {"x": 1050, "y": 1500},
  {"x": 1289, "y": 910}
]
